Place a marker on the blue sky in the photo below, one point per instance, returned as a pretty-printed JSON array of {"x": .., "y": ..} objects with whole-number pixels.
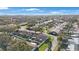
[{"x": 38, "y": 10}]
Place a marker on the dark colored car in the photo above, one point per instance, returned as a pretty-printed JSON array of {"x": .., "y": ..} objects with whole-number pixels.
[{"x": 53, "y": 33}]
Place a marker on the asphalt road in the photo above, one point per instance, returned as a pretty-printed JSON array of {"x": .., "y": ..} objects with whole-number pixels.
[{"x": 57, "y": 29}]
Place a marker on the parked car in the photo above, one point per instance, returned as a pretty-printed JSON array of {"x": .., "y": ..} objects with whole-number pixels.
[{"x": 53, "y": 33}]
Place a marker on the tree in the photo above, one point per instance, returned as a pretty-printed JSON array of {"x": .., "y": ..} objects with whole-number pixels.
[
  {"x": 4, "y": 40},
  {"x": 59, "y": 38},
  {"x": 19, "y": 45}
]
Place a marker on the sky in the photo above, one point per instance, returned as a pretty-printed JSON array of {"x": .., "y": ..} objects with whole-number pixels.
[{"x": 38, "y": 10}]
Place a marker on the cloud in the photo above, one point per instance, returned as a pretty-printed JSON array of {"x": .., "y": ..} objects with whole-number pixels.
[
  {"x": 65, "y": 12},
  {"x": 33, "y": 9},
  {"x": 3, "y": 8},
  {"x": 56, "y": 12}
]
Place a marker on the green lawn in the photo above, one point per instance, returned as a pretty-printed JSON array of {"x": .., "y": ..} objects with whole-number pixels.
[
  {"x": 50, "y": 37},
  {"x": 43, "y": 47}
]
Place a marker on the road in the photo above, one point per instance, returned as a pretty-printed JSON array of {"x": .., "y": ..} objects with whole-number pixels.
[
  {"x": 57, "y": 29},
  {"x": 54, "y": 43}
]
